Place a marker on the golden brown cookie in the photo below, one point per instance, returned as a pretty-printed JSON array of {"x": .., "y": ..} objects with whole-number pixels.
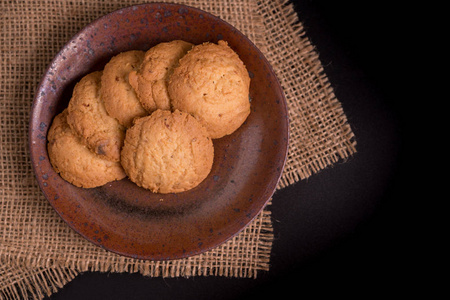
[
  {"x": 150, "y": 81},
  {"x": 88, "y": 118},
  {"x": 167, "y": 152},
  {"x": 75, "y": 163},
  {"x": 121, "y": 101},
  {"x": 212, "y": 83}
]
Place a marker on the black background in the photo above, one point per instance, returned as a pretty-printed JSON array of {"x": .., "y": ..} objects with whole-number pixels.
[{"x": 341, "y": 231}]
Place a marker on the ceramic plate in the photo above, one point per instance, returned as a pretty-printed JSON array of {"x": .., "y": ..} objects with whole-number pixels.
[{"x": 131, "y": 221}]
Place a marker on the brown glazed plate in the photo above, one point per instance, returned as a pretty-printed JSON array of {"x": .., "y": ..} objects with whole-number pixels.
[{"x": 126, "y": 219}]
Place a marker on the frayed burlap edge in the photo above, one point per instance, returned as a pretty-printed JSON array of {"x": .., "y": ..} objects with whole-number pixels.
[
  {"x": 19, "y": 279},
  {"x": 290, "y": 53}
]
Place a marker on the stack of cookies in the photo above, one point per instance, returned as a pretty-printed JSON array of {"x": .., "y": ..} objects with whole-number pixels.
[{"x": 151, "y": 116}]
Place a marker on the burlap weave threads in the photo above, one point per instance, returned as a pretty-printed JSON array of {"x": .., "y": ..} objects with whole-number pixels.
[{"x": 39, "y": 253}]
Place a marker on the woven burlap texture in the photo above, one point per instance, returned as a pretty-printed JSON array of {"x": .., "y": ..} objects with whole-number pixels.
[{"x": 39, "y": 253}]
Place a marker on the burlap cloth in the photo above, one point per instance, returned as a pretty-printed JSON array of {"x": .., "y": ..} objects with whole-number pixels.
[{"x": 39, "y": 253}]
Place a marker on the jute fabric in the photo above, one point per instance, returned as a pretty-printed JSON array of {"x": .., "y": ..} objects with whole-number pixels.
[{"x": 39, "y": 253}]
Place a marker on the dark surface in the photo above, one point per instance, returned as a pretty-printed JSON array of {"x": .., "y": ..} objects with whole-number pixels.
[{"x": 340, "y": 232}]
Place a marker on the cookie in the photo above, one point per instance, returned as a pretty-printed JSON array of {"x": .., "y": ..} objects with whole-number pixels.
[
  {"x": 119, "y": 97},
  {"x": 88, "y": 118},
  {"x": 212, "y": 83},
  {"x": 150, "y": 81},
  {"x": 76, "y": 164},
  {"x": 167, "y": 152}
]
